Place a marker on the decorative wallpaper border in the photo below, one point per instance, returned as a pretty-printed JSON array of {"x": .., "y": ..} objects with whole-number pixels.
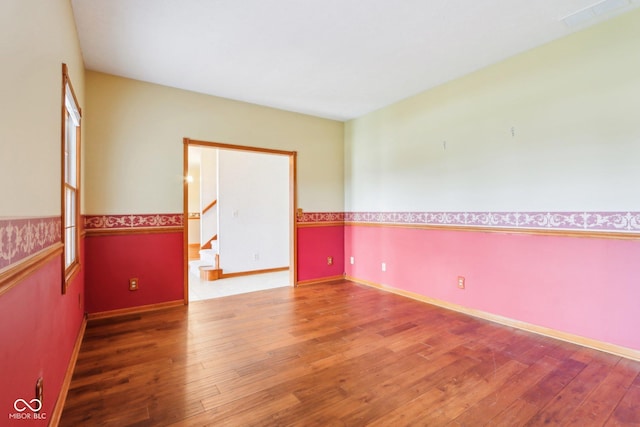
[
  {"x": 23, "y": 237},
  {"x": 311, "y": 217},
  {"x": 572, "y": 221},
  {"x": 132, "y": 221}
]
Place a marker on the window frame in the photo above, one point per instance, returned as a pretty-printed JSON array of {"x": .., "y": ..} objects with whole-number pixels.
[{"x": 71, "y": 112}]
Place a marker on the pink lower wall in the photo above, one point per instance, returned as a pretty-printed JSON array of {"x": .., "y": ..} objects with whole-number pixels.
[
  {"x": 582, "y": 286},
  {"x": 38, "y": 332},
  {"x": 579, "y": 285},
  {"x": 156, "y": 259},
  {"x": 315, "y": 244}
]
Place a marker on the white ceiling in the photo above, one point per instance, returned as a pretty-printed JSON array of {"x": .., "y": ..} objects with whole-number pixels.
[{"x": 337, "y": 59}]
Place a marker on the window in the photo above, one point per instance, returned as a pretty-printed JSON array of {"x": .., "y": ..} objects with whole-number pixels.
[{"x": 71, "y": 114}]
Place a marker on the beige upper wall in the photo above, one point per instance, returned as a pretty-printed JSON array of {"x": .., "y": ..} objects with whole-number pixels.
[
  {"x": 134, "y": 149},
  {"x": 574, "y": 107},
  {"x": 36, "y": 37}
]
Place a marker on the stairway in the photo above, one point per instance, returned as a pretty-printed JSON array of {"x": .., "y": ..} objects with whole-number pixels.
[{"x": 208, "y": 266}]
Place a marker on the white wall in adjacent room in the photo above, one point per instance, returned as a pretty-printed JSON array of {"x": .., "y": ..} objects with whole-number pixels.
[
  {"x": 253, "y": 208},
  {"x": 208, "y": 193}
]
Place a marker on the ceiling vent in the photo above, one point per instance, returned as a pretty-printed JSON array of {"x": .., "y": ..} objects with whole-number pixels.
[{"x": 596, "y": 12}]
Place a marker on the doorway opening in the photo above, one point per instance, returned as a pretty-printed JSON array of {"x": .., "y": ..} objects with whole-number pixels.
[{"x": 233, "y": 230}]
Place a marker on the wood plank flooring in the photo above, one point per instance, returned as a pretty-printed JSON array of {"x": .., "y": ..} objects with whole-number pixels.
[{"x": 338, "y": 355}]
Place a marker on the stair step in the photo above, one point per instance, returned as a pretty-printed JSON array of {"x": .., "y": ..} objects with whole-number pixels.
[
  {"x": 208, "y": 256},
  {"x": 209, "y": 272}
]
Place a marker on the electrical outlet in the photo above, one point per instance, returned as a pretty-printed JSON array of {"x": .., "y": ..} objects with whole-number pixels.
[
  {"x": 329, "y": 260},
  {"x": 384, "y": 266},
  {"x": 256, "y": 256},
  {"x": 461, "y": 282},
  {"x": 352, "y": 260},
  {"x": 133, "y": 284}
]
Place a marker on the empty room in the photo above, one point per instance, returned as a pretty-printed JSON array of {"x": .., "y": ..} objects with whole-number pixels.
[{"x": 458, "y": 240}]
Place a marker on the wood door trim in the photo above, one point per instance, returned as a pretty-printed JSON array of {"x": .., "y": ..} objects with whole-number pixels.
[
  {"x": 224, "y": 146},
  {"x": 293, "y": 202}
]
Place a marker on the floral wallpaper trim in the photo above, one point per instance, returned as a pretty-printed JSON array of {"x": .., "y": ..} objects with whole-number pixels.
[
  {"x": 23, "y": 237},
  {"x": 101, "y": 222},
  {"x": 585, "y": 221},
  {"x": 307, "y": 217}
]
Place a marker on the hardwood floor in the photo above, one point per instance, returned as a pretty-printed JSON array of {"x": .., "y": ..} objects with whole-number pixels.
[{"x": 338, "y": 354}]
